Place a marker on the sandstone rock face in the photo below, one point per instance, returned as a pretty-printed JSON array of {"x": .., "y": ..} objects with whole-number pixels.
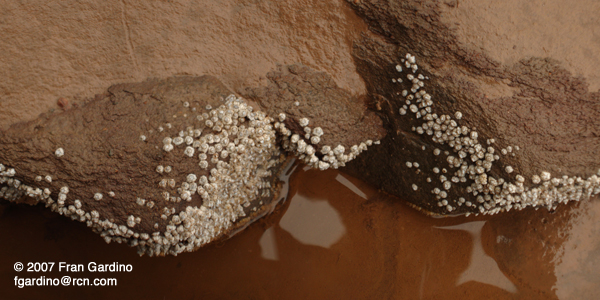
[
  {"x": 487, "y": 133},
  {"x": 76, "y": 49},
  {"x": 165, "y": 165}
]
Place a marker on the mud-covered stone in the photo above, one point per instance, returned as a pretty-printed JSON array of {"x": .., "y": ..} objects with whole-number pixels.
[
  {"x": 537, "y": 116},
  {"x": 166, "y": 165},
  {"x": 333, "y": 118}
]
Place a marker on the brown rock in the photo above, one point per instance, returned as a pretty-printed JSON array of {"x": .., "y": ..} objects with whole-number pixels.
[
  {"x": 530, "y": 102},
  {"x": 76, "y": 49},
  {"x": 297, "y": 92},
  {"x": 111, "y": 155}
]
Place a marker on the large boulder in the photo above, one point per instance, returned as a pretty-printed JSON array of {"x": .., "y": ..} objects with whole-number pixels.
[{"x": 470, "y": 130}]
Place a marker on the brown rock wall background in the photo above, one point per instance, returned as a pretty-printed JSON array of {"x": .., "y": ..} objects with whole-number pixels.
[{"x": 76, "y": 49}]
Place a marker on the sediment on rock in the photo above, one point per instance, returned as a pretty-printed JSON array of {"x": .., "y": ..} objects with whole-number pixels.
[
  {"x": 529, "y": 132},
  {"x": 165, "y": 165}
]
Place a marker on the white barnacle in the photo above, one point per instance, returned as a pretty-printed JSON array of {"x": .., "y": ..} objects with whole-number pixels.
[
  {"x": 339, "y": 150},
  {"x": 178, "y": 141},
  {"x": 318, "y": 131},
  {"x": 436, "y": 151},
  {"x": 545, "y": 176},
  {"x": 191, "y": 178},
  {"x": 160, "y": 169},
  {"x": 111, "y": 194},
  {"x": 168, "y": 147},
  {"x": 413, "y": 108},
  {"x": 189, "y": 151},
  {"x": 64, "y": 190},
  {"x": 323, "y": 165},
  {"x": 295, "y": 138},
  {"x": 402, "y": 111},
  {"x": 520, "y": 178},
  {"x": 48, "y": 178},
  {"x": 168, "y": 169},
  {"x": 447, "y": 185},
  {"x": 458, "y": 115},
  {"x": 415, "y": 187},
  {"x": 303, "y": 122},
  {"x": 536, "y": 179},
  {"x": 509, "y": 169},
  {"x": 281, "y": 117},
  {"x": 131, "y": 221},
  {"x": 315, "y": 140},
  {"x": 59, "y": 152},
  {"x": 142, "y": 138},
  {"x": 97, "y": 196},
  {"x": 409, "y": 164}
]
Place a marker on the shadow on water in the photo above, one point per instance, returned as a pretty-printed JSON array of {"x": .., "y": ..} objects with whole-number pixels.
[{"x": 334, "y": 238}]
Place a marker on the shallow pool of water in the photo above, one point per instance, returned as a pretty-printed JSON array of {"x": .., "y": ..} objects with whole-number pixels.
[{"x": 333, "y": 238}]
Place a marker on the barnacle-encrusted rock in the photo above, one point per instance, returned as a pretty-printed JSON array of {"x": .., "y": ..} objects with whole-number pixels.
[
  {"x": 323, "y": 124},
  {"x": 165, "y": 165},
  {"x": 468, "y": 133}
]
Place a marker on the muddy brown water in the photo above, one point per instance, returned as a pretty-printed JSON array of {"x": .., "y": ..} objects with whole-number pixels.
[{"x": 333, "y": 238}]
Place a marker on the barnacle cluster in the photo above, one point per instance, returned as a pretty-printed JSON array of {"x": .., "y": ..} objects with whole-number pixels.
[
  {"x": 306, "y": 146},
  {"x": 234, "y": 149},
  {"x": 470, "y": 160}
]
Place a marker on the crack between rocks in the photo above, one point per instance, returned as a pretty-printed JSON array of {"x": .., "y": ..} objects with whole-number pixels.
[{"x": 127, "y": 31}]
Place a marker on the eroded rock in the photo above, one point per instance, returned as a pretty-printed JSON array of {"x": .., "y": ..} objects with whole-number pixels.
[
  {"x": 165, "y": 165},
  {"x": 466, "y": 133},
  {"x": 321, "y": 123}
]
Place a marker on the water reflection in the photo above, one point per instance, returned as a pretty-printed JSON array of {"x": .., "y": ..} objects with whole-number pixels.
[
  {"x": 313, "y": 221},
  {"x": 482, "y": 268},
  {"x": 578, "y": 261},
  {"x": 343, "y": 180},
  {"x": 335, "y": 238},
  {"x": 268, "y": 245}
]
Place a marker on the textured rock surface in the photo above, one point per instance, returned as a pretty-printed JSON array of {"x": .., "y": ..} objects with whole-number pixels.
[
  {"x": 75, "y": 49},
  {"x": 536, "y": 90},
  {"x": 121, "y": 168},
  {"x": 335, "y": 119},
  {"x": 545, "y": 103}
]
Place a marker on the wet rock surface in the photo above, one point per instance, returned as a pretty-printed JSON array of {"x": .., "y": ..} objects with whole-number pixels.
[
  {"x": 314, "y": 113},
  {"x": 537, "y": 116},
  {"x": 166, "y": 165},
  {"x": 462, "y": 129}
]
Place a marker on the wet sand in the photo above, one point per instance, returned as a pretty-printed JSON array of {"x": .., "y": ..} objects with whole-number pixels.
[{"x": 334, "y": 238}]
